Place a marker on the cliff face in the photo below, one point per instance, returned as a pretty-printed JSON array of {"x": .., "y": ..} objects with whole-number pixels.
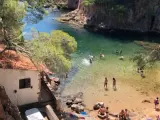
[
  {"x": 8, "y": 111},
  {"x": 134, "y": 15},
  {"x": 73, "y": 4}
]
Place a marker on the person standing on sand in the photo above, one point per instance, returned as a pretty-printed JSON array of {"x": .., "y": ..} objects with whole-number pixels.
[
  {"x": 105, "y": 83},
  {"x": 156, "y": 102},
  {"x": 114, "y": 83}
]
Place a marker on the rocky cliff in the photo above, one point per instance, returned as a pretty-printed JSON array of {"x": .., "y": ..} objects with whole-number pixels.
[
  {"x": 8, "y": 111},
  {"x": 132, "y": 15}
]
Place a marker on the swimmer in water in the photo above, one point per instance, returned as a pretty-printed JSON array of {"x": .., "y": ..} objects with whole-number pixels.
[
  {"x": 90, "y": 60},
  {"x": 101, "y": 56}
]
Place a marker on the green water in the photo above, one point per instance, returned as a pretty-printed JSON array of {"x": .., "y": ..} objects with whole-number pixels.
[
  {"x": 111, "y": 66},
  {"x": 83, "y": 75}
]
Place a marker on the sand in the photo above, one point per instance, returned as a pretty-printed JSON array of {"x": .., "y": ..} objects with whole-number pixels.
[{"x": 127, "y": 95}]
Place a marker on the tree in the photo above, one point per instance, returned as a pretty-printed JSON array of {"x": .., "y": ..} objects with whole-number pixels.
[
  {"x": 53, "y": 50},
  {"x": 11, "y": 15},
  {"x": 88, "y": 2}
]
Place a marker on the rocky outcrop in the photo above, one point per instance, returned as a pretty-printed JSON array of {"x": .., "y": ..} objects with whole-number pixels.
[
  {"x": 75, "y": 102},
  {"x": 141, "y": 16},
  {"x": 73, "y": 4},
  {"x": 148, "y": 45},
  {"x": 133, "y": 15},
  {"x": 8, "y": 111},
  {"x": 76, "y": 18}
]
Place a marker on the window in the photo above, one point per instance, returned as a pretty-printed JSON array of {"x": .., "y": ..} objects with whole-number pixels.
[{"x": 24, "y": 83}]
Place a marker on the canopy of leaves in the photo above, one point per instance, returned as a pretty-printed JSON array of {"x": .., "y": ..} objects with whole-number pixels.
[
  {"x": 53, "y": 50},
  {"x": 88, "y": 2},
  {"x": 11, "y": 14},
  {"x": 35, "y": 10}
]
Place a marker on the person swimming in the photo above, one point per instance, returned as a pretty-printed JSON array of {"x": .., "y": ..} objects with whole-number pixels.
[
  {"x": 118, "y": 52},
  {"x": 91, "y": 58},
  {"x": 101, "y": 56}
]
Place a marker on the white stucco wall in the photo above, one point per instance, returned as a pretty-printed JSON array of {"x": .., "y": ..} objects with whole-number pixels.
[{"x": 9, "y": 78}]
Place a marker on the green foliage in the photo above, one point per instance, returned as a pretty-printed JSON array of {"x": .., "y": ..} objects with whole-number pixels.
[
  {"x": 36, "y": 10},
  {"x": 88, "y": 2},
  {"x": 11, "y": 14},
  {"x": 53, "y": 49}
]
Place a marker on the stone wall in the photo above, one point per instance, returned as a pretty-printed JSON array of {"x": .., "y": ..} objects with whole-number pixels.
[{"x": 7, "y": 109}]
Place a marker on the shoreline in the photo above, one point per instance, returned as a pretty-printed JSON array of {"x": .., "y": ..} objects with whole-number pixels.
[
  {"x": 127, "y": 96},
  {"x": 79, "y": 20},
  {"x": 143, "y": 109}
]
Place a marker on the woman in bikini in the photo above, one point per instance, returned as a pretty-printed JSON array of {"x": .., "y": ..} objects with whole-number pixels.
[
  {"x": 105, "y": 83},
  {"x": 114, "y": 84}
]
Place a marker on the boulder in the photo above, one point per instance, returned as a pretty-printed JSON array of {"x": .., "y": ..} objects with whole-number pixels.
[
  {"x": 69, "y": 102},
  {"x": 146, "y": 101},
  {"x": 81, "y": 108},
  {"x": 79, "y": 95},
  {"x": 74, "y": 106},
  {"x": 78, "y": 100},
  {"x": 77, "y": 108}
]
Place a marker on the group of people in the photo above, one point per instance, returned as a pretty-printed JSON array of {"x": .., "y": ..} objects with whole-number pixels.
[
  {"x": 124, "y": 115},
  {"x": 106, "y": 83},
  {"x": 101, "y": 56},
  {"x": 91, "y": 57},
  {"x": 103, "y": 112}
]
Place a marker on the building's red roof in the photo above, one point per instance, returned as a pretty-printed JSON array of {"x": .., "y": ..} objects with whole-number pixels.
[
  {"x": 45, "y": 69},
  {"x": 12, "y": 60}
]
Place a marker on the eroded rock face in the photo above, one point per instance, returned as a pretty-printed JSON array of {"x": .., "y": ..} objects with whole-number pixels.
[
  {"x": 11, "y": 111},
  {"x": 73, "y": 4},
  {"x": 134, "y": 15}
]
